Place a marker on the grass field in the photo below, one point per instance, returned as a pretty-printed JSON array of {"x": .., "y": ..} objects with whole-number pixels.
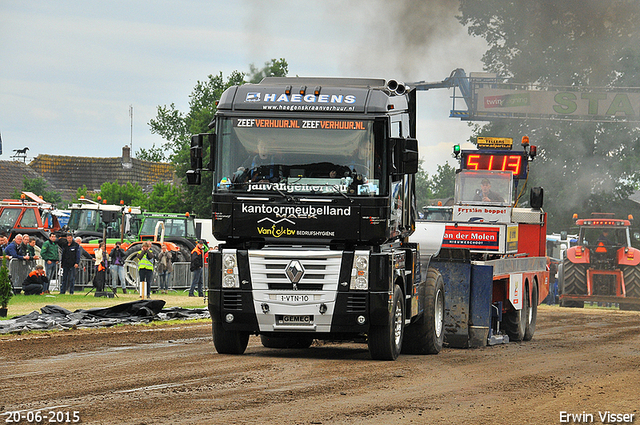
[{"x": 25, "y": 304}]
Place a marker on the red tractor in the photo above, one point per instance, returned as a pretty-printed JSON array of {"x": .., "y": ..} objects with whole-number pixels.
[{"x": 603, "y": 267}]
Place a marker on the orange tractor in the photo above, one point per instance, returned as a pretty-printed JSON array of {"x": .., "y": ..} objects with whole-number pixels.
[{"x": 603, "y": 267}]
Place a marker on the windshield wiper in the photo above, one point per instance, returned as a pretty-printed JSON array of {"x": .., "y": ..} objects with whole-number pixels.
[{"x": 336, "y": 188}]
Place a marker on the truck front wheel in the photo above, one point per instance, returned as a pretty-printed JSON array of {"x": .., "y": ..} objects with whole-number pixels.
[
  {"x": 385, "y": 342},
  {"x": 229, "y": 342},
  {"x": 426, "y": 335}
]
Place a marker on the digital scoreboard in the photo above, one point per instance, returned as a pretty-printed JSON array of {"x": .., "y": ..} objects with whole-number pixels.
[{"x": 493, "y": 160}]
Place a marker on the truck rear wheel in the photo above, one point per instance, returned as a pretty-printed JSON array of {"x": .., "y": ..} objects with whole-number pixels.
[
  {"x": 287, "y": 341},
  {"x": 533, "y": 314},
  {"x": 515, "y": 322},
  {"x": 426, "y": 335},
  {"x": 631, "y": 276},
  {"x": 574, "y": 282},
  {"x": 229, "y": 342},
  {"x": 385, "y": 342}
]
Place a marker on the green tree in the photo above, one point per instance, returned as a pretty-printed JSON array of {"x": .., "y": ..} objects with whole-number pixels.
[
  {"x": 38, "y": 186},
  {"x": 273, "y": 68},
  {"x": 423, "y": 187},
  {"x": 167, "y": 198},
  {"x": 583, "y": 166},
  {"x": 128, "y": 193},
  {"x": 176, "y": 128},
  {"x": 443, "y": 182},
  {"x": 440, "y": 186}
]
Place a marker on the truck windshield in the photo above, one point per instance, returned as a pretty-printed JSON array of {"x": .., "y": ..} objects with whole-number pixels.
[
  {"x": 173, "y": 227},
  {"x": 9, "y": 217},
  {"x": 84, "y": 220},
  {"x": 484, "y": 188},
  {"x": 298, "y": 156}
]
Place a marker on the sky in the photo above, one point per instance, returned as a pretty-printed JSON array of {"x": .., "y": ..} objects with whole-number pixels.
[{"x": 72, "y": 70}]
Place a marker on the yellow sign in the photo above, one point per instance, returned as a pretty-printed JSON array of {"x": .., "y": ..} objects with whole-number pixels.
[
  {"x": 512, "y": 238},
  {"x": 495, "y": 142}
]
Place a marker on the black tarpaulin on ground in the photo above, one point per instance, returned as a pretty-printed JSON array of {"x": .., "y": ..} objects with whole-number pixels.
[{"x": 55, "y": 317}]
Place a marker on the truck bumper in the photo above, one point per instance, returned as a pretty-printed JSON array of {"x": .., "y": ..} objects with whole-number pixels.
[{"x": 346, "y": 313}]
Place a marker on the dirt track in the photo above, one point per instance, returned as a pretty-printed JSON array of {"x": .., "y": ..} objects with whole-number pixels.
[{"x": 579, "y": 361}]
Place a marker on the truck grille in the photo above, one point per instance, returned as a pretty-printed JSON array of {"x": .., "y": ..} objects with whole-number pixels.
[
  {"x": 269, "y": 269},
  {"x": 232, "y": 301},
  {"x": 357, "y": 303}
]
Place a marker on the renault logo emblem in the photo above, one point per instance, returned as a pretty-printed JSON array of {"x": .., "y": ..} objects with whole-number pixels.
[{"x": 294, "y": 272}]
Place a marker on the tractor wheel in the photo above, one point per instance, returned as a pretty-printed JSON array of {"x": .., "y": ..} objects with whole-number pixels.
[
  {"x": 38, "y": 240},
  {"x": 515, "y": 322},
  {"x": 631, "y": 275},
  {"x": 574, "y": 282},
  {"x": 426, "y": 335},
  {"x": 533, "y": 313},
  {"x": 289, "y": 341},
  {"x": 184, "y": 255},
  {"x": 229, "y": 342},
  {"x": 385, "y": 342},
  {"x": 131, "y": 263}
]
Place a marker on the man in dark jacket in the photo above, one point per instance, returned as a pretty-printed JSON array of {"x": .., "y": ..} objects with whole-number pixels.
[
  {"x": 35, "y": 282},
  {"x": 197, "y": 262},
  {"x": 13, "y": 249},
  {"x": 117, "y": 258},
  {"x": 70, "y": 262}
]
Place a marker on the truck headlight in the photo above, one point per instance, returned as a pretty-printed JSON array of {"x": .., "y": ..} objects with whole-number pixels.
[
  {"x": 229, "y": 261},
  {"x": 230, "y": 270},
  {"x": 360, "y": 271}
]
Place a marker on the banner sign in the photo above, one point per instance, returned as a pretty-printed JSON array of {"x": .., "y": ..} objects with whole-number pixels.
[
  {"x": 476, "y": 238},
  {"x": 554, "y": 103},
  {"x": 299, "y": 124}
]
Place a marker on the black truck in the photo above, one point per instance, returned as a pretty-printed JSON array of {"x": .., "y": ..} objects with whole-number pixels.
[{"x": 314, "y": 202}]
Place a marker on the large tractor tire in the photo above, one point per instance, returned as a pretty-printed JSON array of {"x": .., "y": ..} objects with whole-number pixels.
[
  {"x": 426, "y": 335},
  {"x": 515, "y": 322},
  {"x": 229, "y": 342},
  {"x": 286, "y": 341},
  {"x": 131, "y": 263},
  {"x": 631, "y": 275},
  {"x": 533, "y": 313},
  {"x": 184, "y": 255},
  {"x": 574, "y": 283},
  {"x": 385, "y": 342}
]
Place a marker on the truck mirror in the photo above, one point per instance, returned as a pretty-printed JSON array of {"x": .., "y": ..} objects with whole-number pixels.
[
  {"x": 563, "y": 235},
  {"x": 195, "y": 152},
  {"x": 404, "y": 154},
  {"x": 410, "y": 156},
  {"x": 536, "y": 197},
  {"x": 194, "y": 177},
  {"x": 212, "y": 151},
  {"x": 109, "y": 216}
]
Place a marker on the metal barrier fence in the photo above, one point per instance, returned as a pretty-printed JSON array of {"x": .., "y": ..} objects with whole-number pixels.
[{"x": 179, "y": 279}]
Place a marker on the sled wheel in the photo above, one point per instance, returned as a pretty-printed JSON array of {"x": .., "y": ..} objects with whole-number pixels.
[
  {"x": 533, "y": 314},
  {"x": 515, "y": 321}
]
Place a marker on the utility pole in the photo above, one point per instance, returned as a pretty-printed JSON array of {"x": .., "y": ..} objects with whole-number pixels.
[{"x": 131, "y": 139}]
